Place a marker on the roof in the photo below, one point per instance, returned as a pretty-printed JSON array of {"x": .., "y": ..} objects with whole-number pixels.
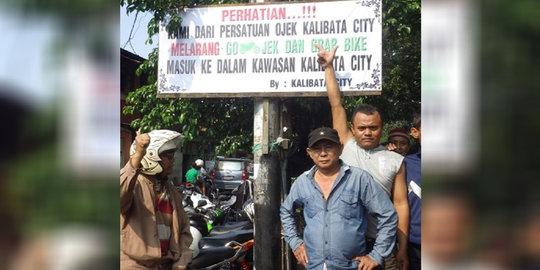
[{"x": 127, "y": 55}]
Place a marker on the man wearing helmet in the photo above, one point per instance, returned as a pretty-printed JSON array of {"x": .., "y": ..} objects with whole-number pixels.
[
  {"x": 204, "y": 177},
  {"x": 154, "y": 229}
]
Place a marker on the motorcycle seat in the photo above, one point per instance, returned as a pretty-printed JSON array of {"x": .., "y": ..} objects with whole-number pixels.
[
  {"x": 211, "y": 256},
  {"x": 230, "y": 227},
  {"x": 240, "y": 236}
]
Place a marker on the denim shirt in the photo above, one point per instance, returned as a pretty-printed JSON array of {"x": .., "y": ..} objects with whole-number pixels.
[{"x": 335, "y": 228}]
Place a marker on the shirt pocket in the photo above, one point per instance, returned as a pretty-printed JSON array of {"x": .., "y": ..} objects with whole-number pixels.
[
  {"x": 348, "y": 206},
  {"x": 312, "y": 207},
  {"x": 387, "y": 167}
]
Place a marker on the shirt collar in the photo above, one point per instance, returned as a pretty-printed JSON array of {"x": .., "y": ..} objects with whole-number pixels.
[{"x": 344, "y": 167}]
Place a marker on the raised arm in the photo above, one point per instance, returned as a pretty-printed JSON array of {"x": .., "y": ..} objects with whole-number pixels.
[
  {"x": 399, "y": 198},
  {"x": 339, "y": 117},
  {"x": 128, "y": 174},
  {"x": 141, "y": 143}
]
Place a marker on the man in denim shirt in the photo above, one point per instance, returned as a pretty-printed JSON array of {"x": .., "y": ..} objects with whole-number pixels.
[{"x": 336, "y": 199}]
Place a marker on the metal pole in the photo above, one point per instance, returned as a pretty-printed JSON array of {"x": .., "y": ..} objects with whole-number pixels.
[
  {"x": 285, "y": 131},
  {"x": 267, "y": 185}
]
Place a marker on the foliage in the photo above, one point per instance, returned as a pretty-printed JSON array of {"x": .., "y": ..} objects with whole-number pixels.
[
  {"x": 401, "y": 96},
  {"x": 228, "y": 122}
]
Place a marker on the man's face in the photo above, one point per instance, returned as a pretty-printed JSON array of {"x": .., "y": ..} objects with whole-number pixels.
[
  {"x": 402, "y": 144},
  {"x": 417, "y": 133},
  {"x": 167, "y": 162},
  {"x": 367, "y": 130},
  {"x": 325, "y": 154}
]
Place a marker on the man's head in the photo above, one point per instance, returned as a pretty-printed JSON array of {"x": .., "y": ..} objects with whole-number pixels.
[
  {"x": 159, "y": 157},
  {"x": 416, "y": 128},
  {"x": 366, "y": 126},
  {"x": 400, "y": 139},
  {"x": 324, "y": 147}
]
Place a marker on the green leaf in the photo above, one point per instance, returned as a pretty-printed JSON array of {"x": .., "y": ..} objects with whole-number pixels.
[{"x": 181, "y": 119}]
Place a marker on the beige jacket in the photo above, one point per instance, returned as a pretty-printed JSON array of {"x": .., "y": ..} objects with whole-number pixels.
[{"x": 138, "y": 230}]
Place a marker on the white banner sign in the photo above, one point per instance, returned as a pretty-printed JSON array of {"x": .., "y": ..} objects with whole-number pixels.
[{"x": 267, "y": 50}]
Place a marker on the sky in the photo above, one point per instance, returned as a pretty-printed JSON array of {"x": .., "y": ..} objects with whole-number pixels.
[{"x": 139, "y": 34}]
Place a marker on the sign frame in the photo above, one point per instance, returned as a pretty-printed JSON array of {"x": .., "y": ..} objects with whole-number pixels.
[{"x": 370, "y": 88}]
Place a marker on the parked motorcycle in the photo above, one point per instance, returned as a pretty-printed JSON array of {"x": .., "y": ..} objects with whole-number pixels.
[
  {"x": 232, "y": 256},
  {"x": 227, "y": 246}
]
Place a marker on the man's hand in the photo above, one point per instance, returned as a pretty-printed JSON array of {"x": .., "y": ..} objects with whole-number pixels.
[
  {"x": 301, "y": 254},
  {"x": 141, "y": 143},
  {"x": 366, "y": 262},
  {"x": 391, "y": 147},
  {"x": 339, "y": 116},
  {"x": 325, "y": 57},
  {"x": 402, "y": 260}
]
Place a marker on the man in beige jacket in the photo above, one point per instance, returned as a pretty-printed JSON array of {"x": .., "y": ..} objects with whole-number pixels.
[{"x": 154, "y": 229}]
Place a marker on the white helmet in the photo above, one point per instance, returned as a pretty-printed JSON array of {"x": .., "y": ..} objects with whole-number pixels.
[
  {"x": 199, "y": 163},
  {"x": 160, "y": 141}
]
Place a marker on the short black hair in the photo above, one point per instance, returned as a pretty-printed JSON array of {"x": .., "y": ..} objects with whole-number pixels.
[{"x": 368, "y": 110}]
